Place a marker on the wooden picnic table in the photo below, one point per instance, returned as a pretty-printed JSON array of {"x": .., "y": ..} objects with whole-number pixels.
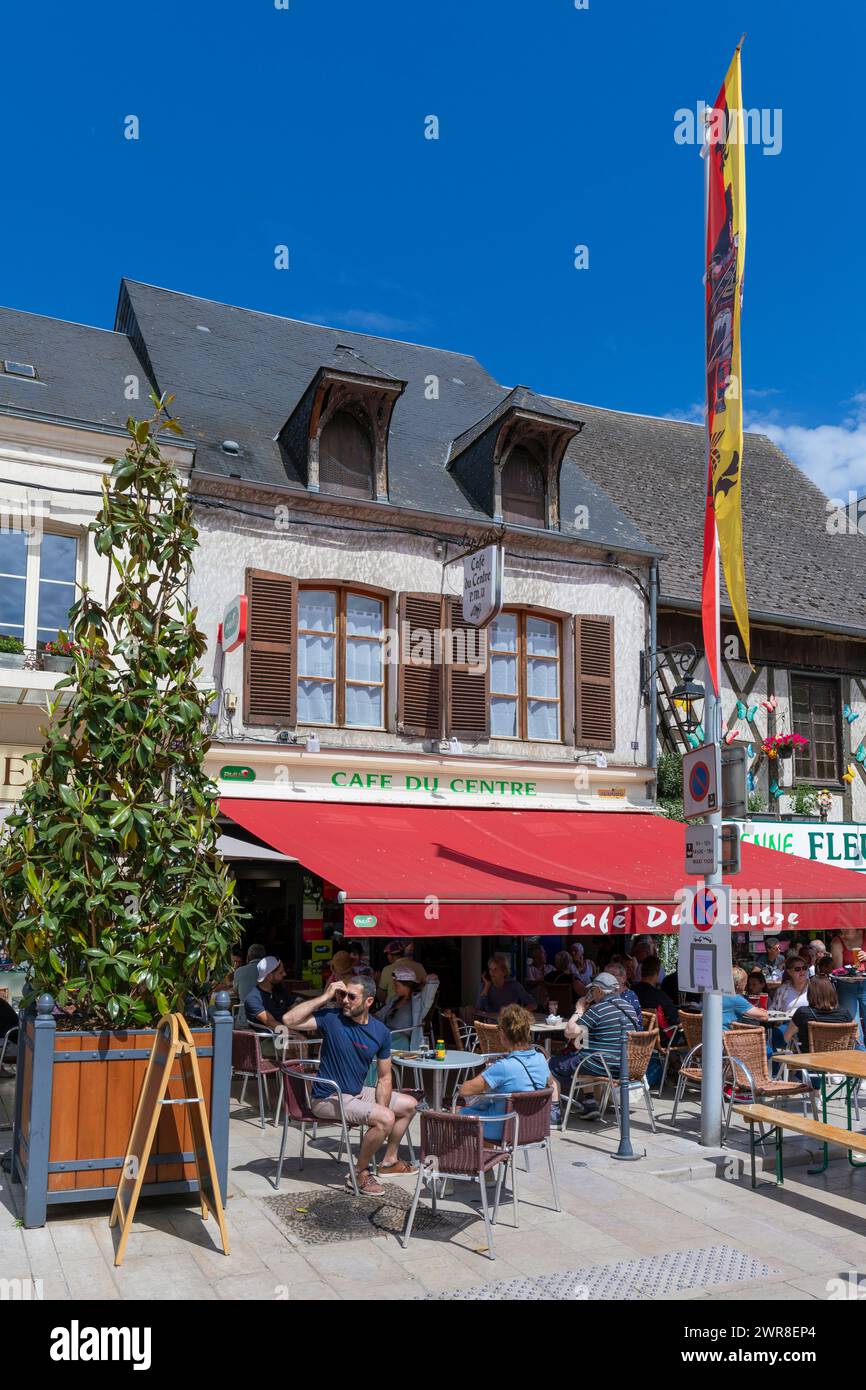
[{"x": 851, "y": 1066}]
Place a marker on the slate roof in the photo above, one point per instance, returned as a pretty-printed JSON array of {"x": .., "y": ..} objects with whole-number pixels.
[
  {"x": 82, "y": 371},
  {"x": 242, "y": 379},
  {"x": 655, "y": 472}
]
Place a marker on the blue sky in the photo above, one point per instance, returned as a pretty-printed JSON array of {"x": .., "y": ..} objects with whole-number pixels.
[{"x": 305, "y": 127}]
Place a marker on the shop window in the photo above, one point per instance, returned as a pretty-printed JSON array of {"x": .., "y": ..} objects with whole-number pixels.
[
  {"x": 525, "y": 678},
  {"x": 815, "y": 715},
  {"x": 37, "y": 585}
]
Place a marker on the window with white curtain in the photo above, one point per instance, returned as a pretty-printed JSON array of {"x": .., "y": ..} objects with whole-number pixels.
[
  {"x": 525, "y": 685},
  {"x": 341, "y": 673},
  {"x": 37, "y": 585}
]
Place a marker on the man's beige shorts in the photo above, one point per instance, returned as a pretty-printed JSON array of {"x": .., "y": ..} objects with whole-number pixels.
[{"x": 355, "y": 1108}]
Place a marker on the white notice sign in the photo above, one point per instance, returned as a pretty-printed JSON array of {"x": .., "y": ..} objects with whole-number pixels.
[{"x": 482, "y": 585}]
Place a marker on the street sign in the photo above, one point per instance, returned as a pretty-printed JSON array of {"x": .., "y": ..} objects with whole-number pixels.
[
  {"x": 233, "y": 628},
  {"x": 702, "y": 852},
  {"x": 730, "y": 849},
  {"x": 701, "y": 778},
  {"x": 704, "y": 961},
  {"x": 482, "y": 585},
  {"x": 735, "y": 791}
]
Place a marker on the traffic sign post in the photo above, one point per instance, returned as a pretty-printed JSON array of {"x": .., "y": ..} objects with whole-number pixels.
[
  {"x": 702, "y": 850},
  {"x": 701, "y": 781},
  {"x": 705, "y": 963}
]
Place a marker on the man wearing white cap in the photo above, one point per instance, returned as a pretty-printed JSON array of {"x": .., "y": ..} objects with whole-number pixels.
[{"x": 268, "y": 1000}]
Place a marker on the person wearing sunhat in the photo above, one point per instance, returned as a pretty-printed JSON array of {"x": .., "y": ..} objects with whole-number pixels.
[
  {"x": 269, "y": 1000},
  {"x": 400, "y": 953}
]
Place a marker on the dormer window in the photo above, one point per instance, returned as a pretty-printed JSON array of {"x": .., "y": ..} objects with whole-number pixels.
[
  {"x": 524, "y": 498},
  {"x": 346, "y": 463}
]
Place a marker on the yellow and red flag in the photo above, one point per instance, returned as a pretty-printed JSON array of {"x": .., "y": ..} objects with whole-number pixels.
[{"x": 725, "y": 259}]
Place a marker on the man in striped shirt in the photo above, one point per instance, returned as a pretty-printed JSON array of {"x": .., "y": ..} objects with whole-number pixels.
[{"x": 604, "y": 1015}]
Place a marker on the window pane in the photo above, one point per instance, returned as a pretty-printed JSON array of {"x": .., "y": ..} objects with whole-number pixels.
[
  {"x": 364, "y": 705},
  {"x": 542, "y": 678},
  {"x": 12, "y": 607},
  {"x": 363, "y": 660},
  {"x": 503, "y": 718},
  {"x": 363, "y": 616},
  {"x": 541, "y": 637},
  {"x": 315, "y": 655},
  {"x": 57, "y": 557},
  {"x": 503, "y": 674},
  {"x": 317, "y": 609},
  {"x": 542, "y": 720},
  {"x": 503, "y": 632},
  {"x": 55, "y": 601},
  {"x": 13, "y": 553},
  {"x": 315, "y": 702}
]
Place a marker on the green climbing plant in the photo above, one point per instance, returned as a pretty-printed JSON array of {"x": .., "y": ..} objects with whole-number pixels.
[
  {"x": 669, "y": 785},
  {"x": 110, "y": 881}
]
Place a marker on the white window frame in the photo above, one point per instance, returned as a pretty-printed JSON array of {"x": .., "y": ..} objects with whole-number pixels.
[{"x": 31, "y": 579}]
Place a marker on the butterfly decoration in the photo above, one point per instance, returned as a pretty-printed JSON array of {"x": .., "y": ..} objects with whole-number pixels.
[
  {"x": 693, "y": 740},
  {"x": 700, "y": 733},
  {"x": 750, "y": 777},
  {"x": 860, "y": 755},
  {"x": 746, "y": 712},
  {"x": 730, "y": 735},
  {"x": 741, "y": 710},
  {"x": 850, "y": 714},
  {"x": 750, "y": 749},
  {"x": 775, "y": 789},
  {"x": 770, "y": 704},
  {"x": 850, "y": 773}
]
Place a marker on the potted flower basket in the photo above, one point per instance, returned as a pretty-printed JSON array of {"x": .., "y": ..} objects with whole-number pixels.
[
  {"x": 784, "y": 745},
  {"x": 111, "y": 887},
  {"x": 57, "y": 656},
  {"x": 11, "y": 653}
]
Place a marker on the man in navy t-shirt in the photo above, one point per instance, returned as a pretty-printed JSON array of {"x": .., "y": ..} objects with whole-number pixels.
[{"x": 351, "y": 1042}]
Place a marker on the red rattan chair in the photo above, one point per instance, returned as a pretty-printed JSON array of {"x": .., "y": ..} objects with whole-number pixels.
[
  {"x": 247, "y": 1061},
  {"x": 297, "y": 1080},
  {"x": 532, "y": 1109},
  {"x": 452, "y": 1146}
]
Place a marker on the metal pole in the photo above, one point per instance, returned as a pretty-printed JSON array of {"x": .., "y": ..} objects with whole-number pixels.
[
  {"x": 711, "y": 1031},
  {"x": 625, "y": 1150}
]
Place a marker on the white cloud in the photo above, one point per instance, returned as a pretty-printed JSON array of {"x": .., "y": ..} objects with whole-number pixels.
[
  {"x": 366, "y": 321},
  {"x": 833, "y": 456}
]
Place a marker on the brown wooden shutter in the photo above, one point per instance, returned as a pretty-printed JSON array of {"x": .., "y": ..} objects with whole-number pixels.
[
  {"x": 419, "y": 682},
  {"x": 468, "y": 704},
  {"x": 595, "y": 705},
  {"x": 270, "y": 693}
]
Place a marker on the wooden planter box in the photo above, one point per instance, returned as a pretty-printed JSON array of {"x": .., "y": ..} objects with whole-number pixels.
[{"x": 75, "y": 1098}]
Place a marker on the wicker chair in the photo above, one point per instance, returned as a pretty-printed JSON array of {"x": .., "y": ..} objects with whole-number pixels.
[
  {"x": 462, "y": 1034},
  {"x": 831, "y": 1037},
  {"x": 247, "y": 1061},
  {"x": 489, "y": 1037},
  {"x": 533, "y": 1132},
  {"x": 746, "y": 1051},
  {"x": 297, "y": 1079},
  {"x": 452, "y": 1146},
  {"x": 641, "y": 1047},
  {"x": 690, "y": 1071},
  {"x": 650, "y": 1020}
]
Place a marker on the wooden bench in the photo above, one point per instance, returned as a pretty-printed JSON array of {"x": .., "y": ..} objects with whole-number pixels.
[{"x": 800, "y": 1124}]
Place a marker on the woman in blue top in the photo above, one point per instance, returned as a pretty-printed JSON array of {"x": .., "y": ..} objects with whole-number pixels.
[{"x": 521, "y": 1069}]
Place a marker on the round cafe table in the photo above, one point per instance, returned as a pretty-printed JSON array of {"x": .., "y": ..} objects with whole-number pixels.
[{"x": 454, "y": 1060}]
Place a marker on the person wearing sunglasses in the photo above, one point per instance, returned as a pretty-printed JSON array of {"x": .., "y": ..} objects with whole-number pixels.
[{"x": 791, "y": 993}]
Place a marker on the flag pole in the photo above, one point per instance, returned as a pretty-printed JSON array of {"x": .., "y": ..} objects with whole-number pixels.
[{"x": 711, "y": 1028}]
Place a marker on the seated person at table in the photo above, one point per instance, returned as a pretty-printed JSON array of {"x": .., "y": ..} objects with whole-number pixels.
[
  {"x": 813, "y": 953},
  {"x": 604, "y": 1014},
  {"x": 649, "y": 994},
  {"x": 774, "y": 962},
  {"x": 498, "y": 988},
  {"x": 352, "y": 1040},
  {"x": 562, "y": 971},
  {"x": 619, "y": 973},
  {"x": 537, "y": 969},
  {"x": 756, "y": 985},
  {"x": 736, "y": 1007},
  {"x": 522, "y": 1069},
  {"x": 791, "y": 993},
  {"x": 581, "y": 968},
  {"x": 822, "y": 1006},
  {"x": 268, "y": 1000},
  {"x": 642, "y": 948},
  {"x": 409, "y": 1004},
  {"x": 246, "y": 975},
  {"x": 400, "y": 953}
]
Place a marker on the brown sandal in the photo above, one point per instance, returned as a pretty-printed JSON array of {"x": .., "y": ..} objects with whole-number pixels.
[{"x": 399, "y": 1166}]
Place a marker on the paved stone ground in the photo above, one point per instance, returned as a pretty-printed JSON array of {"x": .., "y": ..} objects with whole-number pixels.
[{"x": 678, "y": 1216}]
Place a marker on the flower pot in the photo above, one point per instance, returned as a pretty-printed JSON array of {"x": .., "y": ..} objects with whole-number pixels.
[
  {"x": 75, "y": 1098},
  {"x": 12, "y": 661},
  {"x": 56, "y": 663}
]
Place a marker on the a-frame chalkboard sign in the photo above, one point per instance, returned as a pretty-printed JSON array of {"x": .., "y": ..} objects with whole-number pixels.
[{"x": 173, "y": 1041}]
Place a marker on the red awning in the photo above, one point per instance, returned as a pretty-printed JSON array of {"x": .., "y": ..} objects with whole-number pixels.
[{"x": 442, "y": 871}]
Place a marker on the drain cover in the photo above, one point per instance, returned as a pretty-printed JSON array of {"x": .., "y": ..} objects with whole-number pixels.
[
  {"x": 322, "y": 1218},
  {"x": 650, "y": 1277}
]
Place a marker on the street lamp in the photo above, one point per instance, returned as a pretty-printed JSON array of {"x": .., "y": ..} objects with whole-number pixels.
[{"x": 690, "y": 694}]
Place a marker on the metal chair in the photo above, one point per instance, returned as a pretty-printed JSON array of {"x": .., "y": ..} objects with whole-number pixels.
[
  {"x": 452, "y": 1146},
  {"x": 11, "y": 1036},
  {"x": 297, "y": 1079},
  {"x": 533, "y": 1132},
  {"x": 692, "y": 1027},
  {"x": 247, "y": 1061},
  {"x": 746, "y": 1051},
  {"x": 588, "y": 1081}
]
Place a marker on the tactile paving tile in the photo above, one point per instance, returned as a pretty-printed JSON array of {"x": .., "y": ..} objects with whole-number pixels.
[{"x": 646, "y": 1278}]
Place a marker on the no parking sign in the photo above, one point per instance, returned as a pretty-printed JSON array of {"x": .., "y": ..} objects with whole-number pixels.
[
  {"x": 705, "y": 939},
  {"x": 701, "y": 778}
]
